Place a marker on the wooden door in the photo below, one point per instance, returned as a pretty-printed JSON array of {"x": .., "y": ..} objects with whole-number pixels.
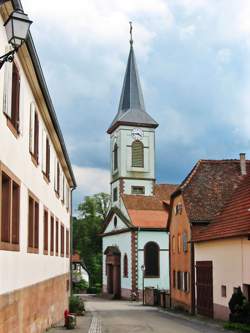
[
  {"x": 110, "y": 278},
  {"x": 204, "y": 284}
]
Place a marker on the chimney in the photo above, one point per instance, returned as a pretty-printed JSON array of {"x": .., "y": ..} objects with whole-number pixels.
[{"x": 243, "y": 168}]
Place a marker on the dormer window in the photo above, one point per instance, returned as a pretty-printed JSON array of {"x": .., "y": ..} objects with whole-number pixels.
[{"x": 137, "y": 154}]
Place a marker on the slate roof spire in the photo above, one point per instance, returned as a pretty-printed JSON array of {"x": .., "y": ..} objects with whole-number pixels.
[{"x": 131, "y": 109}]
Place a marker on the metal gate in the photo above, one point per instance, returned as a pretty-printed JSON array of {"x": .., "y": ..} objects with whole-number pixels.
[{"x": 204, "y": 284}]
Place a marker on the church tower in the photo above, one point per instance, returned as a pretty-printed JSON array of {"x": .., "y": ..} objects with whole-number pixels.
[{"x": 132, "y": 140}]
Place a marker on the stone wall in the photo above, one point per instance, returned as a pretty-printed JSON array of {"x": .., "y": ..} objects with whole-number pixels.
[{"x": 33, "y": 309}]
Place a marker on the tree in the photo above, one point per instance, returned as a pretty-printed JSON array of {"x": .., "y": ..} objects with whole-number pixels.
[{"x": 92, "y": 213}]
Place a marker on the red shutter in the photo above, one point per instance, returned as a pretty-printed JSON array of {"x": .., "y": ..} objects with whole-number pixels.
[
  {"x": 47, "y": 159},
  {"x": 67, "y": 243},
  {"x": 52, "y": 235},
  {"x": 36, "y": 222},
  {"x": 62, "y": 240},
  {"x": 15, "y": 212},
  {"x": 57, "y": 237},
  {"x": 6, "y": 201},
  {"x": 36, "y": 144},
  {"x": 15, "y": 97},
  {"x": 45, "y": 231}
]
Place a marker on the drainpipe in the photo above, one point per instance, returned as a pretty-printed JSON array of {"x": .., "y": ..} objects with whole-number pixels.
[{"x": 71, "y": 240}]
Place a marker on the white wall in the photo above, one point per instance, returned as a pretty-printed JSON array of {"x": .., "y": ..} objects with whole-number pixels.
[
  {"x": 231, "y": 265},
  {"x": 161, "y": 238},
  {"x": 111, "y": 226},
  {"x": 20, "y": 269},
  {"x": 123, "y": 242}
]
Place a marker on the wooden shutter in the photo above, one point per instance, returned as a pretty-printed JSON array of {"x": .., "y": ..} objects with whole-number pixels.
[
  {"x": 5, "y": 213},
  {"x": 36, "y": 137},
  {"x": 31, "y": 221},
  {"x": 15, "y": 98},
  {"x": 44, "y": 151},
  {"x": 62, "y": 240},
  {"x": 7, "y": 95},
  {"x": 137, "y": 154},
  {"x": 36, "y": 225},
  {"x": 47, "y": 158},
  {"x": 67, "y": 242},
  {"x": 52, "y": 235},
  {"x": 45, "y": 231},
  {"x": 15, "y": 212},
  {"x": 55, "y": 174},
  {"x": 32, "y": 127},
  {"x": 57, "y": 237}
]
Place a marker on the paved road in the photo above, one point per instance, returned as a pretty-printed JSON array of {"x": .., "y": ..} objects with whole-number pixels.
[{"x": 127, "y": 317}]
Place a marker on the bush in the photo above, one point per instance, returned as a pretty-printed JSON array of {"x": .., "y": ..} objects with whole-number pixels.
[
  {"x": 236, "y": 301},
  {"x": 237, "y": 327},
  {"x": 80, "y": 286},
  {"x": 76, "y": 305}
]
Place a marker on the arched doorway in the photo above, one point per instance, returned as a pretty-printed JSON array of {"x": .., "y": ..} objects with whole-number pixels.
[{"x": 113, "y": 267}]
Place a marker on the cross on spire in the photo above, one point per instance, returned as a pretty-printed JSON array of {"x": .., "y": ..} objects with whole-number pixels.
[{"x": 131, "y": 33}]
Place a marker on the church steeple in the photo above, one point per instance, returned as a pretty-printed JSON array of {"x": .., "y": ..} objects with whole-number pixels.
[{"x": 131, "y": 109}]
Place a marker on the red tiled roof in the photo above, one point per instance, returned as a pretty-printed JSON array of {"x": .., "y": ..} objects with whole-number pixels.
[
  {"x": 234, "y": 219},
  {"x": 149, "y": 211},
  {"x": 209, "y": 186}
]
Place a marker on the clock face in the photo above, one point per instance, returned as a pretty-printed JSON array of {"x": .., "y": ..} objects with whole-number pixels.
[{"x": 137, "y": 134}]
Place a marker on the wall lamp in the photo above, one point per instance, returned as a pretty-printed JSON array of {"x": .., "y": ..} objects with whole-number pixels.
[{"x": 17, "y": 27}]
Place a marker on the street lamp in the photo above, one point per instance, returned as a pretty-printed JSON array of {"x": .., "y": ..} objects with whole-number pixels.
[
  {"x": 143, "y": 275},
  {"x": 17, "y": 28}
]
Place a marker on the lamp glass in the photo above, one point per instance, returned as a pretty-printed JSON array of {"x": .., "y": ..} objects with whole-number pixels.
[{"x": 17, "y": 27}]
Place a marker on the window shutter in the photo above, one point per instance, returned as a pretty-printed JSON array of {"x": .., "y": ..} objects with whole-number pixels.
[
  {"x": 44, "y": 148},
  {"x": 55, "y": 174},
  {"x": 15, "y": 98},
  {"x": 36, "y": 245},
  {"x": 47, "y": 158},
  {"x": 32, "y": 128},
  {"x": 7, "y": 95},
  {"x": 137, "y": 154}
]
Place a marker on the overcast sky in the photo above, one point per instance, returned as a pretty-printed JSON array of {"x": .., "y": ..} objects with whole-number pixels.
[{"x": 194, "y": 63}]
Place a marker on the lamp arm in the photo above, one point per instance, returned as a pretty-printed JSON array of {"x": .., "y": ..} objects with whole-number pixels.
[{"x": 8, "y": 57}]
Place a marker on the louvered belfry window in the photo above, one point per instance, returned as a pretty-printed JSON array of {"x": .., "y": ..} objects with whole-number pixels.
[
  {"x": 115, "y": 166},
  {"x": 137, "y": 154}
]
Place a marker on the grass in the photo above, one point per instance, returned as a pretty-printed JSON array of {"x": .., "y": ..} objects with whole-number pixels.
[{"x": 237, "y": 327}]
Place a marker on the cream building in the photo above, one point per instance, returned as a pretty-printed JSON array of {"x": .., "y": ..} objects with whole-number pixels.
[{"x": 36, "y": 181}]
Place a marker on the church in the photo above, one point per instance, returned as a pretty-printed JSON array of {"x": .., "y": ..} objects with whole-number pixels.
[{"x": 135, "y": 237}]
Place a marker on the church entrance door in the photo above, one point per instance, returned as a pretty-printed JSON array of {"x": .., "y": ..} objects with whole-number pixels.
[{"x": 113, "y": 262}]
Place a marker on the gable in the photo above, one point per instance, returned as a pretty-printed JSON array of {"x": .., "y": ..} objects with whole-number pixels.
[
  {"x": 112, "y": 226},
  {"x": 115, "y": 221}
]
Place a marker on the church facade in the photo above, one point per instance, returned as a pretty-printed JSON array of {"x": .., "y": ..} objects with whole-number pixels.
[{"x": 135, "y": 237}]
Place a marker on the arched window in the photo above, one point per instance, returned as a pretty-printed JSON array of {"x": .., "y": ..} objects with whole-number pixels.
[
  {"x": 137, "y": 154},
  {"x": 115, "y": 157},
  {"x": 125, "y": 265},
  {"x": 151, "y": 260}
]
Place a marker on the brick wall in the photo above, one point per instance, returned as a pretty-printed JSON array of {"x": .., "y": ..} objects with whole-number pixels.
[{"x": 35, "y": 308}]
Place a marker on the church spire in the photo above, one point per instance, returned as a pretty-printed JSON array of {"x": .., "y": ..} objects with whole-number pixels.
[{"x": 131, "y": 109}]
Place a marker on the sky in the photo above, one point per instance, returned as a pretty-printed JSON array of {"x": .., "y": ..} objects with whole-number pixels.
[{"x": 194, "y": 63}]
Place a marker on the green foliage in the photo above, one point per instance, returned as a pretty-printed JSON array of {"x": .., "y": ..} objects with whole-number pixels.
[
  {"x": 78, "y": 287},
  {"x": 76, "y": 305},
  {"x": 237, "y": 327},
  {"x": 86, "y": 228},
  {"x": 236, "y": 301}
]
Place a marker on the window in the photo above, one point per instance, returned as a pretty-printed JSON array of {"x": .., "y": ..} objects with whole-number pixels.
[
  {"x": 184, "y": 242},
  {"x": 151, "y": 260},
  {"x": 179, "y": 280},
  {"x": 52, "y": 235},
  {"x": 115, "y": 194},
  {"x": 33, "y": 225},
  {"x": 174, "y": 279},
  {"x": 46, "y": 156},
  {"x": 67, "y": 243},
  {"x": 137, "y": 154},
  {"x": 223, "y": 291},
  {"x": 115, "y": 222},
  {"x": 45, "y": 232},
  {"x": 186, "y": 282},
  {"x": 179, "y": 243},
  {"x": 57, "y": 237},
  {"x": 57, "y": 177},
  {"x": 178, "y": 209},
  {"x": 173, "y": 245},
  {"x": 67, "y": 196},
  {"x": 115, "y": 157},
  {"x": 34, "y": 133},
  {"x": 62, "y": 240},
  {"x": 10, "y": 213},
  {"x": 125, "y": 265},
  {"x": 138, "y": 190}
]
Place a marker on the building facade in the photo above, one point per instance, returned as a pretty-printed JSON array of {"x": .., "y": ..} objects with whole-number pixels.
[
  {"x": 135, "y": 239},
  {"x": 222, "y": 251},
  {"x": 196, "y": 202},
  {"x": 36, "y": 181}
]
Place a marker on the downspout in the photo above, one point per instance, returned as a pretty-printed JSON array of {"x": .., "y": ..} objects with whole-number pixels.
[{"x": 71, "y": 241}]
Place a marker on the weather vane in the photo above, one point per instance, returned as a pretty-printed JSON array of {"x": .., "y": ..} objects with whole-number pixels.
[{"x": 131, "y": 33}]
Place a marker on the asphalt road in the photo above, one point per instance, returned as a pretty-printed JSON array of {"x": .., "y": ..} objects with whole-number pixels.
[{"x": 127, "y": 317}]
